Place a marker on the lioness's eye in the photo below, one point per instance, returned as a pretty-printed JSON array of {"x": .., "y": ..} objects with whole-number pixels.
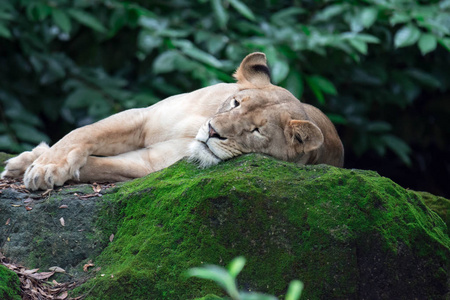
[
  {"x": 235, "y": 103},
  {"x": 256, "y": 130}
]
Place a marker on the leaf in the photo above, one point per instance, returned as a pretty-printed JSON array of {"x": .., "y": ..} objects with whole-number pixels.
[
  {"x": 42, "y": 275},
  {"x": 38, "y": 11},
  {"x": 398, "y": 146},
  {"x": 295, "y": 290},
  {"x": 368, "y": 38},
  {"x": 445, "y": 42},
  {"x": 427, "y": 43},
  {"x": 424, "y": 78},
  {"x": 444, "y": 4},
  {"x": 236, "y": 266},
  {"x": 328, "y": 13},
  {"x": 324, "y": 84},
  {"x": 63, "y": 206},
  {"x": 255, "y": 296},
  {"x": 87, "y": 266},
  {"x": 4, "y": 31},
  {"x": 62, "y": 20},
  {"x": 279, "y": 70},
  {"x": 368, "y": 16},
  {"x": 57, "y": 269},
  {"x": 97, "y": 188},
  {"x": 111, "y": 237},
  {"x": 62, "y": 296},
  {"x": 190, "y": 50},
  {"x": 61, "y": 220},
  {"x": 28, "y": 133},
  {"x": 399, "y": 17},
  {"x": 242, "y": 9},
  {"x": 87, "y": 19},
  {"x": 285, "y": 15},
  {"x": 359, "y": 45},
  {"x": 220, "y": 13},
  {"x": 379, "y": 126},
  {"x": 294, "y": 84},
  {"x": 217, "y": 274},
  {"x": 315, "y": 89},
  {"x": 166, "y": 62},
  {"x": 406, "y": 36},
  {"x": 29, "y": 272},
  {"x": 82, "y": 98},
  {"x": 337, "y": 119}
]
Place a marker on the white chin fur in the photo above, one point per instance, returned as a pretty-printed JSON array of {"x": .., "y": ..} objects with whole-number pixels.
[{"x": 200, "y": 154}]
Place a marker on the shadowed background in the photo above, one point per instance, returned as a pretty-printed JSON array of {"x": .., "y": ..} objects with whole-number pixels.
[{"x": 379, "y": 68}]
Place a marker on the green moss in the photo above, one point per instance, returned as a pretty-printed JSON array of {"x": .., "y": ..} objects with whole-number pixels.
[
  {"x": 344, "y": 233},
  {"x": 9, "y": 284},
  {"x": 438, "y": 204}
]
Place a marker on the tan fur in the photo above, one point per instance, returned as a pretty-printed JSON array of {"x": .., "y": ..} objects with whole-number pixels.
[{"x": 208, "y": 125}]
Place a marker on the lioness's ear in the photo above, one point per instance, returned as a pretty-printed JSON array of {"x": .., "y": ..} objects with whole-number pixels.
[
  {"x": 253, "y": 70},
  {"x": 307, "y": 134}
]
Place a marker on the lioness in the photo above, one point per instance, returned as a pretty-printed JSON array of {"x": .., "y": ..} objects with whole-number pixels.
[{"x": 209, "y": 125}]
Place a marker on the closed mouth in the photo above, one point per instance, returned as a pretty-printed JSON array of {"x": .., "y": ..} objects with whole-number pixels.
[{"x": 205, "y": 147}]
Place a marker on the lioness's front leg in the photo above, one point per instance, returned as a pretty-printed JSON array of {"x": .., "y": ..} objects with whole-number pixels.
[
  {"x": 135, "y": 164},
  {"x": 117, "y": 134}
]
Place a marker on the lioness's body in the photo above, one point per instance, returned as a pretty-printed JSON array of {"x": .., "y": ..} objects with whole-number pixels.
[{"x": 209, "y": 125}]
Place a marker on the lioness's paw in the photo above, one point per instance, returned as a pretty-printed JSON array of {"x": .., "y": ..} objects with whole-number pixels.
[
  {"x": 45, "y": 176},
  {"x": 54, "y": 169},
  {"x": 16, "y": 166}
]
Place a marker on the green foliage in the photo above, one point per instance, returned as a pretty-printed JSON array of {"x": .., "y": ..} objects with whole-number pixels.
[
  {"x": 69, "y": 63},
  {"x": 226, "y": 278}
]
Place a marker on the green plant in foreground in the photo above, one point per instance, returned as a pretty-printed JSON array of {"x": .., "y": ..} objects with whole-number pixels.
[{"x": 226, "y": 278}]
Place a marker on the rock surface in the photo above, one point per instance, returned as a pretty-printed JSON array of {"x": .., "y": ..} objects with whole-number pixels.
[{"x": 347, "y": 234}]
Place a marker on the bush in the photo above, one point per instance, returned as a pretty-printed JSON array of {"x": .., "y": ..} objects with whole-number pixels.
[{"x": 378, "y": 68}]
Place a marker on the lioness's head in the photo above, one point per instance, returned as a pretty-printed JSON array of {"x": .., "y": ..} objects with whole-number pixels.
[{"x": 268, "y": 119}]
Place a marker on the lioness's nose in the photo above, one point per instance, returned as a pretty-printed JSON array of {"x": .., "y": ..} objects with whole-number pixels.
[{"x": 213, "y": 133}]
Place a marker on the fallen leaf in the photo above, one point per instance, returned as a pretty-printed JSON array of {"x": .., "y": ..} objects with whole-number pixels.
[
  {"x": 63, "y": 206},
  {"x": 27, "y": 284},
  {"x": 7, "y": 221},
  {"x": 28, "y": 208},
  {"x": 47, "y": 192},
  {"x": 16, "y": 205},
  {"x": 88, "y": 265},
  {"x": 29, "y": 272},
  {"x": 8, "y": 239},
  {"x": 62, "y": 296},
  {"x": 111, "y": 237},
  {"x": 96, "y": 187},
  {"x": 42, "y": 275},
  {"x": 62, "y": 221},
  {"x": 10, "y": 266},
  {"x": 57, "y": 269}
]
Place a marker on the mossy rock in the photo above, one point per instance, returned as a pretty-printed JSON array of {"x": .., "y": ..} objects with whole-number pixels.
[
  {"x": 347, "y": 234},
  {"x": 32, "y": 233},
  {"x": 9, "y": 284},
  {"x": 438, "y": 204}
]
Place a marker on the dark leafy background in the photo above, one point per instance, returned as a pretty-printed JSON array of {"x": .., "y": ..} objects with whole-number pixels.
[{"x": 378, "y": 68}]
